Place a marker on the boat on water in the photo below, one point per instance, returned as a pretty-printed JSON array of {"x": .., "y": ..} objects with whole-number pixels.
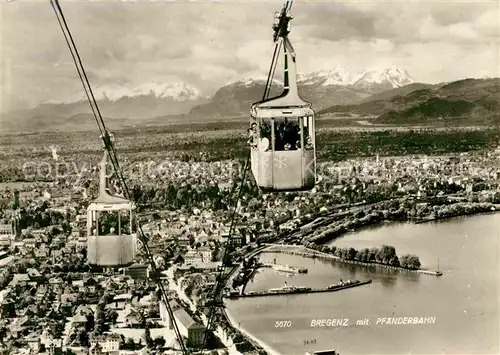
[
  {"x": 438, "y": 273},
  {"x": 290, "y": 288},
  {"x": 430, "y": 272},
  {"x": 287, "y": 268},
  {"x": 343, "y": 283}
]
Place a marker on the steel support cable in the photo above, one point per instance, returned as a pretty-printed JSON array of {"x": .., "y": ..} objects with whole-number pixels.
[
  {"x": 87, "y": 88},
  {"x": 223, "y": 262},
  {"x": 112, "y": 152},
  {"x": 144, "y": 241},
  {"x": 275, "y": 64},
  {"x": 272, "y": 69},
  {"x": 56, "y": 2},
  {"x": 75, "y": 61},
  {"x": 243, "y": 179},
  {"x": 161, "y": 289},
  {"x": 221, "y": 279},
  {"x": 86, "y": 84}
]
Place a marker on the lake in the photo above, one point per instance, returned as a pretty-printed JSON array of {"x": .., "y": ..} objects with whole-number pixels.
[{"x": 464, "y": 301}]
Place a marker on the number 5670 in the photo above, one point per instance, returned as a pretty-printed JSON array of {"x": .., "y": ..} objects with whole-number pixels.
[{"x": 283, "y": 324}]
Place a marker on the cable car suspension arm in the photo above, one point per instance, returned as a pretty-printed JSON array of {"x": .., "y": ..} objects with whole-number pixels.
[{"x": 280, "y": 34}]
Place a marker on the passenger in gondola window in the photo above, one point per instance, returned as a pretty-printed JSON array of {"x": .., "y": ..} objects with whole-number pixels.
[
  {"x": 309, "y": 144},
  {"x": 253, "y": 134},
  {"x": 306, "y": 134},
  {"x": 292, "y": 134},
  {"x": 253, "y": 128},
  {"x": 279, "y": 142},
  {"x": 288, "y": 146},
  {"x": 251, "y": 139},
  {"x": 265, "y": 130}
]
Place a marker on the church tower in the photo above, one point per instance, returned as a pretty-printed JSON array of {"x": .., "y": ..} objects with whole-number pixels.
[{"x": 16, "y": 216}]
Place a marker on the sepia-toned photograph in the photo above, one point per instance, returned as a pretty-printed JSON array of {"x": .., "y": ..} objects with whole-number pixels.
[{"x": 249, "y": 177}]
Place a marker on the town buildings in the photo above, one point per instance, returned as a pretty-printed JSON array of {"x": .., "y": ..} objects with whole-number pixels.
[{"x": 188, "y": 327}]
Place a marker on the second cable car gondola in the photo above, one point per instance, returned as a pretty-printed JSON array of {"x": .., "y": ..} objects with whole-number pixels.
[{"x": 283, "y": 147}]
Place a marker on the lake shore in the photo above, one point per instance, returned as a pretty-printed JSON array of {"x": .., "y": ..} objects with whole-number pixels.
[
  {"x": 268, "y": 349},
  {"x": 378, "y": 214},
  {"x": 357, "y": 228},
  {"x": 427, "y": 294}
]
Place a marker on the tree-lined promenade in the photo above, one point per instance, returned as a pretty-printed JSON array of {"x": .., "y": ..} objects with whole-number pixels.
[{"x": 386, "y": 256}]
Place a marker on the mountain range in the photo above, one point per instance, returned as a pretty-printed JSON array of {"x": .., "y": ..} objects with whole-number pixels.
[
  {"x": 119, "y": 103},
  {"x": 478, "y": 100},
  {"x": 390, "y": 93},
  {"x": 322, "y": 88}
]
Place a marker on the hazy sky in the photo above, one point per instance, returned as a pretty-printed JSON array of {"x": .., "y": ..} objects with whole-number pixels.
[{"x": 207, "y": 44}]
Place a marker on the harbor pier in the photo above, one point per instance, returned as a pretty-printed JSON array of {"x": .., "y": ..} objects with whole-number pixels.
[{"x": 290, "y": 290}]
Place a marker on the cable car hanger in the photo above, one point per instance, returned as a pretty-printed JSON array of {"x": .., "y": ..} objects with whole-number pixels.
[{"x": 282, "y": 137}]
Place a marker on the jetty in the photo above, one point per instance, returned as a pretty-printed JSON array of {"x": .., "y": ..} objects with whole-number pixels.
[
  {"x": 299, "y": 290},
  {"x": 429, "y": 272}
]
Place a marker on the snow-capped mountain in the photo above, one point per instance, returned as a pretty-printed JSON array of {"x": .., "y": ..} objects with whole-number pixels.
[
  {"x": 177, "y": 91},
  {"x": 390, "y": 78},
  {"x": 121, "y": 102},
  {"x": 381, "y": 78},
  {"x": 338, "y": 76},
  {"x": 253, "y": 80},
  {"x": 393, "y": 77},
  {"x": 323, "y": 88},
  {"x": 151, "y": 99}
]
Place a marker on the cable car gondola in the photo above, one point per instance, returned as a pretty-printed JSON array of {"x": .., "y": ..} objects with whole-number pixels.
[
  {"x": 111, "y": 232},
  {"x": 282, "y": 139}
]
